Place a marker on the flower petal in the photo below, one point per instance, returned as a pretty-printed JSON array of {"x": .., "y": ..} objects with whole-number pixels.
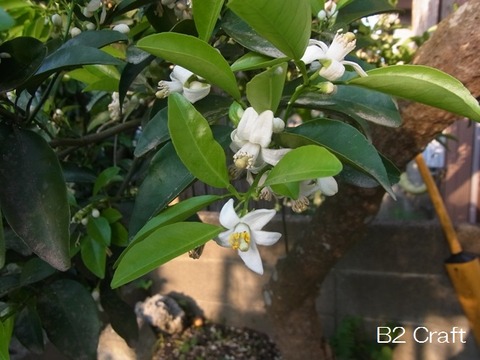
[
  {"x": 181, "y": 74},
  {"x": 247, "y": 124},
  {"x": 356, "y": 67},
  {"x": 257, "y": 219},
  {"x": 331, "y": 69},
  {"x": 273, "y": 156},
  {"x": 228, "y": 217},
  {"x": 327, "y": 185},
  {"x": 261, "y": 134},
  {"x": 196, "y": 92},
  {"x": 223, "y": 238},
  {"x": 315, "y": 50},
  {"x": 252, "y": 258},
  {"x": 265, "y": 238}
]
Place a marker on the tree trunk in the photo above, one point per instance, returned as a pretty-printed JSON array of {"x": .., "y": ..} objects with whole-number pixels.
[{"x": 342, "y": 219}]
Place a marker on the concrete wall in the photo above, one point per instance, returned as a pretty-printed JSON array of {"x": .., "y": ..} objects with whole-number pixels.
[{"x": 395, "y": 275}]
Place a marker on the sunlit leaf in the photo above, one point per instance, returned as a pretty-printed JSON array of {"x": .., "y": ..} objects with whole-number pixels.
[
  {"x": 206, "y": 15},
  {"x": 265, "y": 89},
  {"x": 422, "y": 84},
  {"x": 194, "y": 142},
  {"x": 286, "y": 24},
  {"x": 173, "y": 240},
  {"x": 194, "y": 55}
]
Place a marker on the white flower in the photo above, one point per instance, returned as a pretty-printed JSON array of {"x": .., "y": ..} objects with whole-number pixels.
[
  {"x": 244, "y": 234},
  {"x": 75, "y": 31},
  {"x": 250, "y": 141},
  {"x": 183, "y": 81},
  {"x": 122, "y": 28},
  {"x": 93, "y": 6},
  {"x": 326, "y": 185},
  {"x": 332, "y": 57}
]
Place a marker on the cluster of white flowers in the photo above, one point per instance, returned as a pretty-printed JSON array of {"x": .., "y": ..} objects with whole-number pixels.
[{"x": 181, "y": 8}]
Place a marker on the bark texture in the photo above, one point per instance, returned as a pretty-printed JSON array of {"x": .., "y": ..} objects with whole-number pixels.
[{"x": 342, "y": 220}]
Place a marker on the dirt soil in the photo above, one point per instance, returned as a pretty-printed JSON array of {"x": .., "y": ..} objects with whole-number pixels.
[{"x": 216, "y": 342}]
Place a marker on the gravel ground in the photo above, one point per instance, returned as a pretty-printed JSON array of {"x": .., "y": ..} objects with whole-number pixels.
[{"x": 216, "y": 342}]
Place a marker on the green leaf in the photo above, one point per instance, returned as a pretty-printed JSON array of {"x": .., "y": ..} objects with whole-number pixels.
[
  {"x": 34, "y": 196},
  {"x": 71, "y": 57},
  {"x": 106, "y": 177},
  {"x": 35, "y": 270},
  {"x": 167, "y": 177},
  {"x": 112, "y": 215},
  {"x": 94, "y": 255},
  {"x": 28, "y": 330},
  {"x": 206, "y": 16},
  {"x": 6, "y": 330},
  {"x": 156, "y": 131},
  {"x": 99, "y": 229},
  {"x": 265, "y": 89},
  {"x": 194, "y": 55},
  {"x": 120, "y": 315},
  {"x": 194, "y": 142},
  {"x": 26, "y": 54},
  {"x": 422, "y": 84},
  {"x": 359, "y": 103},
  {"x": 304, "y": 163},
  {"x": 178, "y": 212},
  {"x": 358, "y": 9},
  {"x": 343, "y": 140},
  {"x": 6, "y": 21},
  {"x": 70, "y": 318},
  {"x": 243, "y": 34},
  {"x": 2, "y": 242},
  {"x": 95, "y": 38},
  {"x": 286, "y": 24},
  {"x": 253, "y": 61},
  {"x": 161, "y": 246}
]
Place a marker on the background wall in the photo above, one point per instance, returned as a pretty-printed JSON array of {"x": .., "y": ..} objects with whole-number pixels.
[{"x": 395, "y": 275}]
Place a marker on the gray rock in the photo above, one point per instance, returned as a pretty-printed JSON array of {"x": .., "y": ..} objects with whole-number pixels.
[{"x": 163, "y": 313}]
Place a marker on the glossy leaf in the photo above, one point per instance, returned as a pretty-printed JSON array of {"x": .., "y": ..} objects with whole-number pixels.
[
  {"x": 343, "y": 140},
  {"x": 153, "y": 134},
  {"x": 206, "y": 16},
  {"x": 286, "y": 24},
  {"x": 94, "y": 255},
  {"x": 253, "y": 61},
  {"x": 194, "y": 55},
  {"x": 26, "y": 54},
  {"x": 35, "y": 270},
  {"x": 131, "y": 70},
  {"x": 71, "y": 57},
  {"x": 173, "y": 240},
  {"x": 106, "y": 177},
  {"x": 34, "y": 196},
  {"x": 178, "y": 212},
  {"x": 6, "y": 330},
  {"x": 120, "y": 315},
  {"x": 359, "y": 103},
  {"x": 156, "y": 132},
  {"x": 243, "y": 33},
  {"x": 194, "y": 142},
  {"x": 167, "y": 177},
  {"x": 99, "y": 229},
  {"x": 422, "y": 84},
  {"x": 304, "y": 163},
  {"x": 95, "y": 38},
  {"x": 265, "y": 89},
  {"x": 70, "y": 318},
  {"x": 358, "y": 9},
  {"x": 28, "y": 330}
]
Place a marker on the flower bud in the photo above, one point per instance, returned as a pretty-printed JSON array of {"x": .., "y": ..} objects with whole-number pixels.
[
  {"x": 75, "y": 31},
  {"x": 57, "y": 20},
  {"x": 122, "y": 28},
  {"x": 95, "y": 213}
]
